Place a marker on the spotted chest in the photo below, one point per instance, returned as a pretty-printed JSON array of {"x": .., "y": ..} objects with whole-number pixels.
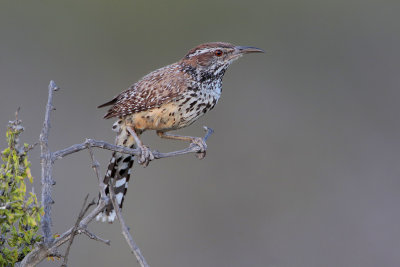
[{"x": 176, "y": 114}]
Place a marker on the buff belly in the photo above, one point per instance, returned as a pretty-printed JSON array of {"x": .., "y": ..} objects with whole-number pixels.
[{"x": 170, "y": 116}]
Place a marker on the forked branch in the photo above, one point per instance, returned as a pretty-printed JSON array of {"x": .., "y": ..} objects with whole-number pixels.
[
  {"x": 50, "y": 245},
  {"x": 193, "y": 148}
]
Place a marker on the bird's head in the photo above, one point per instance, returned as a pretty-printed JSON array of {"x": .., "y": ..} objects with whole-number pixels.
[{"x": 216, "y": 57}]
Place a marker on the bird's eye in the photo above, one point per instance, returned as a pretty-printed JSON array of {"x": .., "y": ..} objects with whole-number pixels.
[{"x": 218, "y": 53}]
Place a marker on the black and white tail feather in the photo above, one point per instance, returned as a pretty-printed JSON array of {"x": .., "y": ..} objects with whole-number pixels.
[{"x": 118, "y": 172}]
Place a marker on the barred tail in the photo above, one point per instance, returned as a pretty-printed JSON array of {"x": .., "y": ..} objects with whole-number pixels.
[{"x": 118, "y": 172}]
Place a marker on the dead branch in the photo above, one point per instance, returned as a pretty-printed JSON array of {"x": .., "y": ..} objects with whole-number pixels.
[
  {"x": 192, "y": 148},
  {"x": 50, "y": 245},
  {"x": 93, "y": 236},
  {"x": 82, "y": 213},
  {"x": 125, "y": 230},
  {"x": 47, "y": 180}
]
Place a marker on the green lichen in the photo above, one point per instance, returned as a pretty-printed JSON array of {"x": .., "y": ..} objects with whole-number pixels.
[{"x": 19, "y": 211}]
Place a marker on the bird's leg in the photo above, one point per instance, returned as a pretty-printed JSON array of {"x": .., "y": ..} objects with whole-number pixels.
[
  {"x": 194, "y": 140},
  {"x": 145, "y": 153}
]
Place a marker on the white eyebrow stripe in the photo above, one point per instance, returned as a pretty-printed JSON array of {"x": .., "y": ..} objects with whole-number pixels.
[{"x": 204, "y": 50}]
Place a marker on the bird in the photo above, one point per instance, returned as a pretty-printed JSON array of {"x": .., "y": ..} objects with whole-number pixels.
[{"x": 166, "y": 99}]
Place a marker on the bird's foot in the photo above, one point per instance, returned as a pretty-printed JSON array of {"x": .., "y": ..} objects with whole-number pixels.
[
  {"x": 201, "y": 144},
  {"x": 145, "y": 155}
]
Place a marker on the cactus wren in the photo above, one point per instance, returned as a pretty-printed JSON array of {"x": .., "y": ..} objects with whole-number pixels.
[{"x": 166, "y": 99}]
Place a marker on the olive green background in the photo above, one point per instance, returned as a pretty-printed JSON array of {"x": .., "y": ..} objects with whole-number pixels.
[{"x": 303, "y": 169}]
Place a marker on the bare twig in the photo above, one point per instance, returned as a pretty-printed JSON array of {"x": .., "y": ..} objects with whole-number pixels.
[
  {"x": 82, "y": 225},
  {"x": 93, "y": 236},
  {"x": 74, "y": 230},
  {"x": 125, "y": 231},
  {"x": 46, "y": 161},
  {"x": 95, "y": 166}
]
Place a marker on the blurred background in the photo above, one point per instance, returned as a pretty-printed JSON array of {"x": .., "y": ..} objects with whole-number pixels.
[{"x": 303, "y": 168}]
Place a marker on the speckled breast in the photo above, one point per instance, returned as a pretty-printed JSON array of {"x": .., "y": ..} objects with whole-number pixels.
[{"x": 176, "y": 114}]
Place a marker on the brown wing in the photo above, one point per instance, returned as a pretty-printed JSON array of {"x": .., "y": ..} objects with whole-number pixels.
[{"x": 159, "y": 87}]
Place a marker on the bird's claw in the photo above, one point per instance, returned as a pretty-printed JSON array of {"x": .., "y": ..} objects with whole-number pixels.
[
  {"x": 145, "y": 156},
  {"x": 201, "y": 144}
]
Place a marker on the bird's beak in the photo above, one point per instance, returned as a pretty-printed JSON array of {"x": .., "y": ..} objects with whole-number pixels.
[{"x": 247, "y": 49}]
